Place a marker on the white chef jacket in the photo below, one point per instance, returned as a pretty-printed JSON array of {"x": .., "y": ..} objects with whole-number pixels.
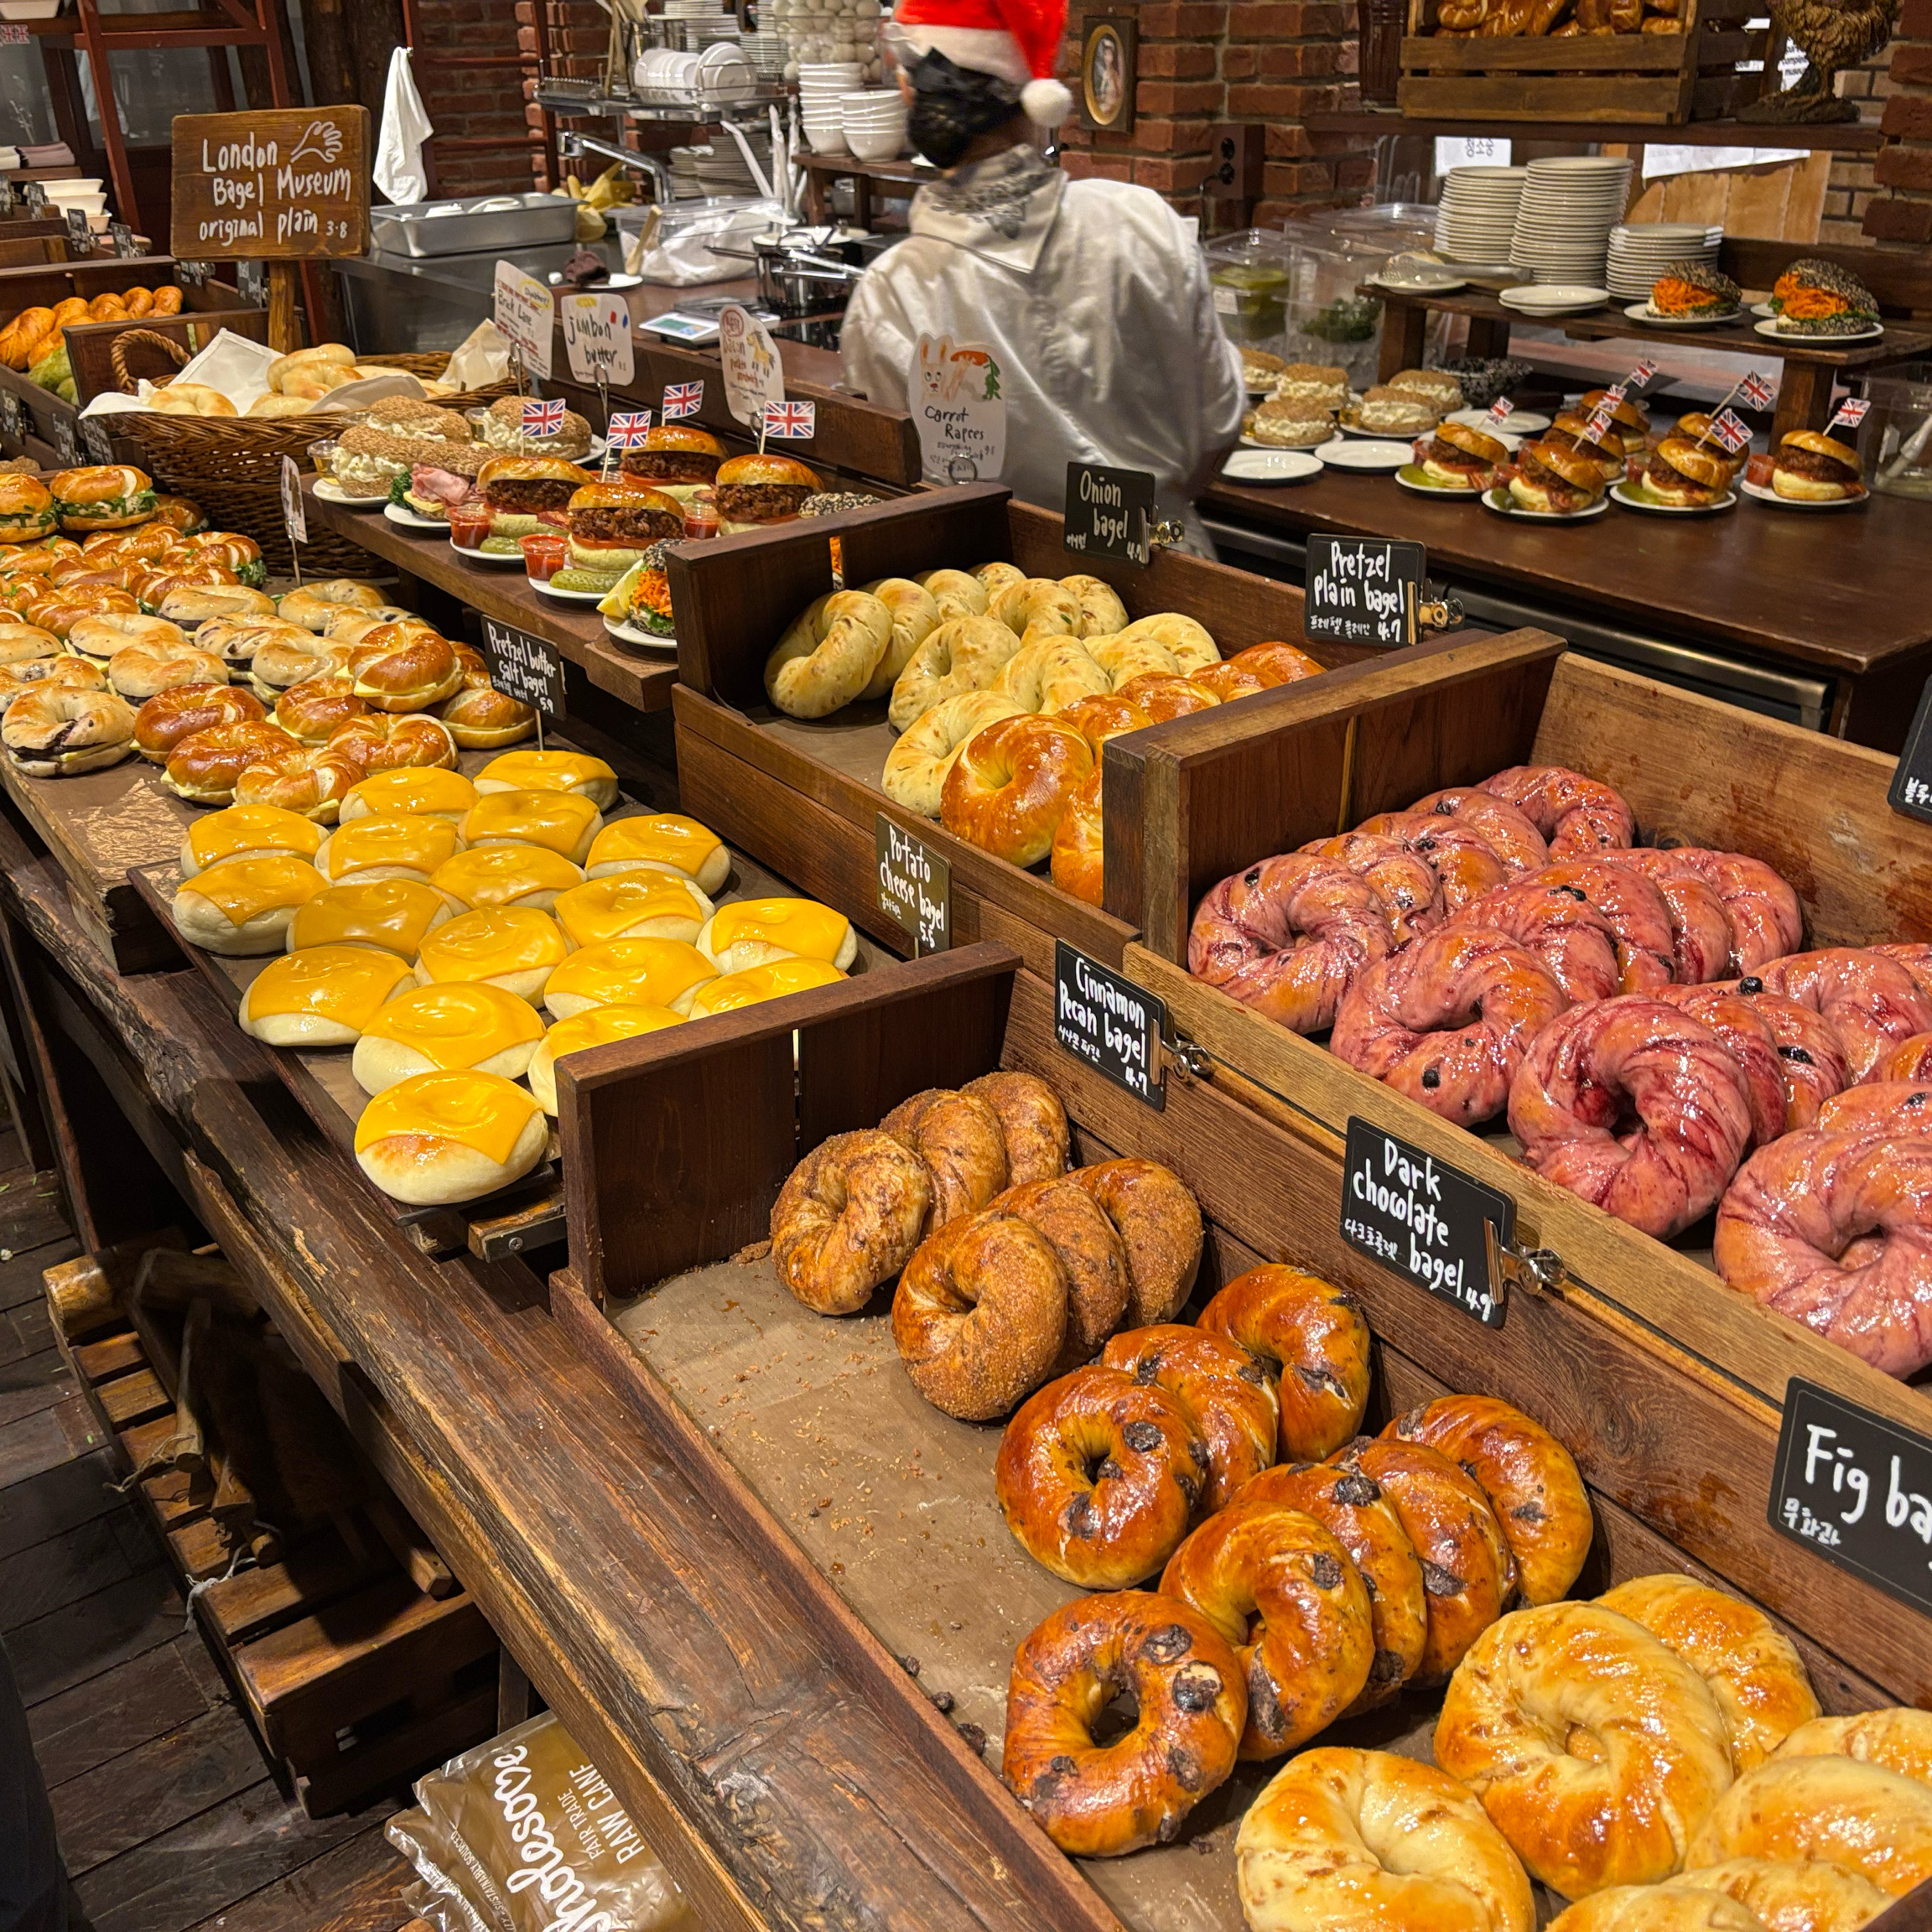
[{"x": 1094, "y": 299}]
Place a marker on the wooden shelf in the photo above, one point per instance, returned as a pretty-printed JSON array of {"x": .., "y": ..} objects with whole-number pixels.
[{"x": 1838, "y": 136}]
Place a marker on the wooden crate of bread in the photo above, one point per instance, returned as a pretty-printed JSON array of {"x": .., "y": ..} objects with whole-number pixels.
[
  {"x": 1472, "y": 72},
  {"x": 1376, "y": 738},
  {"x": 877, "y": 1512},
  {"x": 810, "y": 789}
]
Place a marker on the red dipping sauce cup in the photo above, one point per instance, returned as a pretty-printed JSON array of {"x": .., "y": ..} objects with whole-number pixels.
[
  {"x": 468, "y": 524},
  {"x": 700, "y": 517},
  {"x": 544, "y": 554}
]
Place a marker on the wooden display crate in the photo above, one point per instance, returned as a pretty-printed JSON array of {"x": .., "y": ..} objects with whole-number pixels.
[
  {"x": 877, "y": 1514},
  {"x": 804, "y": 795},
  {"x": 1662, "y": 77},
  {"x": 1695, "y": 773}
]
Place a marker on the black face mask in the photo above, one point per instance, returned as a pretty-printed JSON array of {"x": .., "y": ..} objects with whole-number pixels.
[{"x": 952, "y": 106}]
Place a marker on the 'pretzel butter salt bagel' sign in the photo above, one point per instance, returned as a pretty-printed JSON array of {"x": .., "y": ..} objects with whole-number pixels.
[{"x": 275, "y": 183}]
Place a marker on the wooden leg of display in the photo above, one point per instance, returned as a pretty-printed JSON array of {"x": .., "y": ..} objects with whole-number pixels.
[{"x": 282, "y": 307}]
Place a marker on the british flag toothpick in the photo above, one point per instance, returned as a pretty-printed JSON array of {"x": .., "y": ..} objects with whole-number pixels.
[
  {"x": 628, "y": 428},
  {"x": 543, "y": 419},
  {"x": 682, "y": 399},
  {"x": 1500, "y": 411},
  {"x": 1729, "y": 430},
  {"x": 1641, "y": 375},
  {"x": 1756, "y": 392},
  {"x": 1850, "y": 412},
  {"x": 791, "y": 422}
]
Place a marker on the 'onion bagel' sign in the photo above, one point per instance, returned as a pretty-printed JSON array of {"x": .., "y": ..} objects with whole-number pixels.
[{"x": 274, "y": 184}]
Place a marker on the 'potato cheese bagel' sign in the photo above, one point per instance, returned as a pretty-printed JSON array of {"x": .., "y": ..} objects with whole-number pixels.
[{"x": 277, "y": 184}]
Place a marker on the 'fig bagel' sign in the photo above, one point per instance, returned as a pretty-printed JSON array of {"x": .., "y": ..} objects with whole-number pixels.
[{"x": 273, "y": 184}]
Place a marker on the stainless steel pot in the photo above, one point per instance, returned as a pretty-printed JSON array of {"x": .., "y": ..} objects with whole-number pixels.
[{"x": 793, "y": 279}]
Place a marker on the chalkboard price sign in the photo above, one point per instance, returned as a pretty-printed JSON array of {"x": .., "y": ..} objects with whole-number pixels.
[
  {"x": 1110, "y": 513},
  {"x": 272, "y": 185},
  {"x": 94, "y": 441},
  {"x": 1363, "y": 589},
  {"x": 1110, "y": 1023},
  {"x": 1423, "y": 1220},
  {"x": 34, "y": 193},
  {"x": 1857, "y": 1490},
  {"x": 251, "y": 284},
  {"x": 65, "y": 445},
  {"x": 122, "y": 236},
  {"x": 12, "y": 417},
  {"x": 80, "y": 236},
  {"x": 525, "y": 666},
  {"x": 1911, "y": 791},
  {"x": 914, "y": 887}
]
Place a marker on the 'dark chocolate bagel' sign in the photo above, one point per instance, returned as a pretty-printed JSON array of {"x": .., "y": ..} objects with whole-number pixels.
[{"x": 276, "y": 184}]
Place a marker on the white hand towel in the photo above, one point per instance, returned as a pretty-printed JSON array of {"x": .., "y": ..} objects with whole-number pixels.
[{"x": 399, "y": 172}]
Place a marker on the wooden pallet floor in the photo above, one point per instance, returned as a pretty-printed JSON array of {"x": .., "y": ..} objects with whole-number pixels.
[{"x": 167, "y": 1815}]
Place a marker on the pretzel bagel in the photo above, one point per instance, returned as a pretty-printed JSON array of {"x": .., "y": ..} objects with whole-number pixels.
[{"x": 1011, "y": 784}]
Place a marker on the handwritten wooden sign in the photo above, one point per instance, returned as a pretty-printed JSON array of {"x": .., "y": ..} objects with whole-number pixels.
[{"x": 272, "y": 185}]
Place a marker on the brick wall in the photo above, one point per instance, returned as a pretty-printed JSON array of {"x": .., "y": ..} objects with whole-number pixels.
[
  {"x": 1850, "y": 190},
  {"x": 1203, "y": 63},
  {"x": 484, "y": 143},
  {"x": 1901, "y": 212}
]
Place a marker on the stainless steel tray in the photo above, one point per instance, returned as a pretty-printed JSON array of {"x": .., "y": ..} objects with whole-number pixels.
[{"x": 514, "y": 221}]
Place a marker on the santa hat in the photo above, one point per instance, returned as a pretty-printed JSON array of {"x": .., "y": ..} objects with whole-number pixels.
[{"x": 1015, "y": 40}]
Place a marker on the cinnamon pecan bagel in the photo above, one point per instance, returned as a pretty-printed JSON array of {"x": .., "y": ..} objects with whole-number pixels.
[
  {"x": 849, "y": 1218},
  {"x": 1089, "y": 1252},
  {"x": 1032, "y": 1123},
  {"x": 958, "y": 1138},
  {"x": 1159, "y": 1226},
  {"x": 1315, "y": 1336},
  {"x": 1231, "y": 1393}
]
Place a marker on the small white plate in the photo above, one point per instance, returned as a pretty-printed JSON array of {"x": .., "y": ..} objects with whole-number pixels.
[
  {"x": 494, "y": 556},
  {"x": 643, "y": 640},
  {"x": 1629, "y": 496},
  {"x": 1410, "y": 477},
  {"x": 1765, "y": 494},
  {"x": 1382, "y": 458},
  {"x": 1447, "y": 286},
  {"x": 1271, "y": 466},
  {"x": 1382, "y": 435},
  {"x": 1763, "y": 309},
  {"x": 1870, "y": 333},
  {"x": 1510, "y": 508},
  {"x": 1552, "y": 298},
  {"x": 404, "y": 518},
  {"x": 566, "y": 596},
  {"x": 1519, "y": 423},
  {"x": 331, "y": 491},
  {"x": 1249, "y": 442},
  {"x": 1642, "y": 312}
]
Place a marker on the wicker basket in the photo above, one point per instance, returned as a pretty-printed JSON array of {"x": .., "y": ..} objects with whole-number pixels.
[{"x": 231, "y": 465}]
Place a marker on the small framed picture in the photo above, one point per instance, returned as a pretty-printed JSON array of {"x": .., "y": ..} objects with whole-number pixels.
[{"x": 1108, "y": 49}]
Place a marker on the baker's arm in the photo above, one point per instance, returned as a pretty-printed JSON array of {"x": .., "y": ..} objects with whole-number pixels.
[{"x": 877, "y": 344}]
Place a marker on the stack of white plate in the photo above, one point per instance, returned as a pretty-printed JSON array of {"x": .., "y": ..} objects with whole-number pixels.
[
  {"x": 875, "y": 123},
  {"x": 1563, "y": 222},
  {"x": 1640, "y": 252},
  {"x": 1477, "y": 219},
  {"x": 823, "y": 86},
  {"x": 766, "y": 53},
  {"x": 720, "y": 168}
]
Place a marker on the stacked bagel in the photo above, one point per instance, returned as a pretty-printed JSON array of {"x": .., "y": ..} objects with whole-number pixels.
[
  {"x": 1307, "y": 1590},
  {"x": 1003, "y": 688},
  {"x": 1503, "y": 948}
]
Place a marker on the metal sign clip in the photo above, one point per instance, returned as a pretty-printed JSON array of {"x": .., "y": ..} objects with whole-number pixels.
[{"x": 1513, "y": 1269}]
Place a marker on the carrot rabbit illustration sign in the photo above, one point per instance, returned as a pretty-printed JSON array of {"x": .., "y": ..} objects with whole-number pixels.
[{"x": 956, "y": 401}]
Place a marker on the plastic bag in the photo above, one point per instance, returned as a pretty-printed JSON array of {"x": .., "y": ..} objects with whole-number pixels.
[
  {"x": 680, "y": 257},
  {"x": 523, "y": 1835}
]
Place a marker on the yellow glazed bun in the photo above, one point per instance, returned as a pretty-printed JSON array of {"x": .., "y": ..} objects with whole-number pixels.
[
  {"x": 756, "y": 984},
  {"x": 516, "y": 947},
  {"x": 243, "y": 907},
  {"x": 572, "y": 772},
  {"x": 387, "y": 845},
  {"x": 664, "y": 839},
  {"x": 390, "y": 915},
  {"x": 629, "y": 973},
  {"x": 324, "y": 996},
  {"x": 755, "y": 931},
  {"x": 505, "y": 876},
  {"x": 594, "y": 1027},
  {"x": 563, "y": 822},
  {"x": 426, "y": 791},
  {"x": 455, "y": 1029},
  {"x": 440, "y": 1138},
  {"x": 633, "y": 905},
  {"x": 247, "y": 832}
]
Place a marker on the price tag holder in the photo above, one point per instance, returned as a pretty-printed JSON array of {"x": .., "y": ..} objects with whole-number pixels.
[
  {"x": 1363, "y": 589},
  {"x": 1857, "y": 1490},
  {"x": 65, "y": 447},
  {"x": 914, "y": 887},
  {"x": 12, "y": 416},
  {"x": 597, "y": 339},
  {"x": 753, "y": 374},
  {"x": 1110, "y": 513},
  {"x": 34, "y": 193},
  {"x": 94, "y": 441},
  {"x": 525, "y": 666},
  {"x": 7, "y": 197},
  {"x": 121, "y": 238},
  {"x": 251, "y": 284},
  {"x": 295, "y": 512},
  {"x": 1424, "y": 1220},
  {"x": 524, "y": 311},
  {"x": 194, "y": 274},
  {"x": 1911, "y": 787},
  {"x": 80, "y": 236},
  {"x": 1110, "y": 1023}
]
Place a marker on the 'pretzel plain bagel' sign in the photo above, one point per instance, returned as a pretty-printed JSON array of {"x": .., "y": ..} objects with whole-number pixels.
[{"x": 276, "y": 184}]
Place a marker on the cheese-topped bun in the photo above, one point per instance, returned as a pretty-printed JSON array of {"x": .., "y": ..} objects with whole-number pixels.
[
  {"x": 505, "y": 876},
  {"x": 551, "y": 771},
  {"x": 393, "y": 915},
  {"x": 756, "y": 984},
  {"x": 247, "y": 832},
  {"x": 444, "y": 1137},
  {"x": 755, "y": 931},
  {"x": 423, "y": 791},
  {"x": 514, "y": 947},
  {"x": 665, "y": 840},
  {"x": 595, "y": 1027},
  {"x": 564, "y": 822},
  {"x": 629, "y": 973},
  {"x": 387, "y": 845},
  {"x": 637, "y": 904},
  {"x": 240, "y": 906},
  {"x": 459, "y": 1028},
  {"x": 322, "y": 996}
]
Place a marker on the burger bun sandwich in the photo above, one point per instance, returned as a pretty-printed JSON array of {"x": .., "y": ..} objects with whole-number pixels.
[
  {"x": 437, "y": 477},
  {"x": 1686, "y": 473},
  {"x": 612, "y": 525},
  {"x": 1283, "y": 423},
  {"x": 524, "y": 492},
  {"x": 1606, "y": 450},
  {"x": 26, "y": 509},
  {"x": 1694, "y": 290},
  {"x": 1626, "y": 415},
  {"x": 411, "y": 417},
  {"x": 102, "y": 496},
  {"x": 1810, "y": 467},
  {"x": 1461, "y": 458},
  {"x": 1554, "y": 481},
  {"x": 675, "y": 457},
  {"x": 753, "y": 492}
]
